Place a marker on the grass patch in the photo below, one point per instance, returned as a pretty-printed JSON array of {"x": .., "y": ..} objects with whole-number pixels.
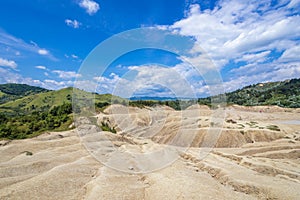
[
  {"x": 241, "y": 126},
  {"x": 231, "y": 121},
  {"x": 28, "y": 153},
  {"x": 105, "y": 127},
  {"x": 273, "y": 128},
  {"x": 252, "y": 124}
]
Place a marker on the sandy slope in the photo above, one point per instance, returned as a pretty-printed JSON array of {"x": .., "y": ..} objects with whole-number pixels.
[{"x": 256, "y": 163}]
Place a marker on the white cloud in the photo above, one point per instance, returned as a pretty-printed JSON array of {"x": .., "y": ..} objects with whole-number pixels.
[
  {"x": 294, "y": 3},
  {"x": 235, "y": 29},
  {"x": 41, "y": 67},
  {"x": 43, "y": 52},
  {"x": 18, "y": 45},
  {"x": 152, "y": 80},
  {"x": 72, "y": 23},
  {"x": 74, "y": 56},
  {"x": 291, "y": 55},
  {"x": 254, "y": 32},
  {"x": 259, "y": 75},
  {"x": 90, "y": 6},
  {"x": 54, "y": 85},
  {"x": 254, "y": 57},
  {"x": 8, "y": 63},
  {"x": 13, "y": 77},
  {"x": 66, "y": 74},
  {"x": 89, "y": 85}
]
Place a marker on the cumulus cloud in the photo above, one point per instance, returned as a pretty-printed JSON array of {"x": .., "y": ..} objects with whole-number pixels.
[
  {"x": 152, "y": 80},
  {"x": 265, "y": 73},
  {"x": 43, "y": 52},
  {"x": 235, "y": 28},
  {"x": 54, "y": 85},
  {"x": 15, "y": 77},
  {"x": 66, "y": 74},
  {"x": 72, "y": 23},
  {"x": 8, "y": 63},
  {"x": 258, "y": 40},
  {"x": 41, "y": 67},
  {"x": 90, "y": 6}
]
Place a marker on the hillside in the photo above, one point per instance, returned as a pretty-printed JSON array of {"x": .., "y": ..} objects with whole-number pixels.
[
  {"x": 52, "y": 110},
  {"x": 282, "y": 93},
  {"x": 46, "y": 100},
  {"x": 13, "y": 91}
]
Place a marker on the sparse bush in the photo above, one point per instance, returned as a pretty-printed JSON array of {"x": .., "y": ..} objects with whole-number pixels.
[
  {"x": 273, "y": 128},
  {"x": 28, "y": 153},
  {"x": 105, "y": 127},
  {"x": 231, "y": 121}
]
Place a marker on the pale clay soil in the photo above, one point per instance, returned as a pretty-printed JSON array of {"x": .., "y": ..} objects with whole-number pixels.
[{"x": 248, "y": 161}]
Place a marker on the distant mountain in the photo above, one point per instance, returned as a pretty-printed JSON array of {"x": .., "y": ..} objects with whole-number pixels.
[
  {"x": 281, "y": 93},
  {"x": 13, "y": 91}
]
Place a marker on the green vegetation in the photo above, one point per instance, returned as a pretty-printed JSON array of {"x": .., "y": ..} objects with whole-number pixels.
[
  {"x": 13, "y": 91},
  {"x": 28, "y": 153},
  {"x": 240, "y": 126},
  {"x": 105, "y": 127},
  {"x": 36, "y": 113},
  {"x": 283, "y": 94},
  {"x": 45, "y": 101},
  {"x": 176, "y": 104},
  {"x": 273, "y": 128},
  {"x": 231, "y": 121},
  {"x": 24, "y": 126}
]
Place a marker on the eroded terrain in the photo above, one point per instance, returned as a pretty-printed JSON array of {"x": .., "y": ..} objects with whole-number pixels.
[{"x": 256, "y": 156}]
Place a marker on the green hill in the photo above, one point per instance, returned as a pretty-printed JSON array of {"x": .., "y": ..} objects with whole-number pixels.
[
  {"x": 12, "y": 91},
  {"x": 51, "y": 110},
  {"x": 281, "y": 93},
  {"x": 46, "y": 100}
]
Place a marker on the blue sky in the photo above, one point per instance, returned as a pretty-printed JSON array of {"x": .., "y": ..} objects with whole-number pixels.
[{"x": 44, "y": 43}]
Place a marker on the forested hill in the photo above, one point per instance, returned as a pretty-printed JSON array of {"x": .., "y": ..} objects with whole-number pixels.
[
  {"x": 13, "y": 91},
  {"x": 283, "y": 93},
  {"x": 47, "y": 110}
]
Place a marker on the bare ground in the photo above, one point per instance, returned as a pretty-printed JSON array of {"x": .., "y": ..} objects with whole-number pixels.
[{"x": 252, "y": 160}]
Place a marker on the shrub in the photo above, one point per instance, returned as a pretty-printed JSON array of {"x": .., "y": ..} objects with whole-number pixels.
[{"x": 273, "y": 128}]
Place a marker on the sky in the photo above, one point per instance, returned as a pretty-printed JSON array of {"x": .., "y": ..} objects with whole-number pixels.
[{"x": 49, "y": 43}]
